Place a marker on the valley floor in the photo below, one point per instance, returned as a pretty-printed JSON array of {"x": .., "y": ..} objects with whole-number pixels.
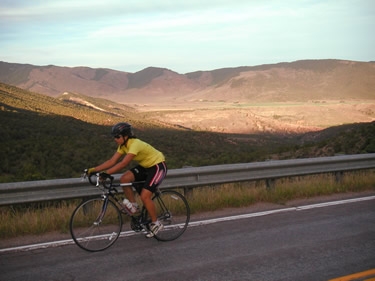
[{"x": 263, "y": 117}]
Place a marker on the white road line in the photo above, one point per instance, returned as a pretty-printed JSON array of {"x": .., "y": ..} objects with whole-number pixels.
[
  {"x": 237, "y": 217},
  {"x": 198, "y": 223},
  {"x": 265, "y": 213},
  {"x": 346, "y": 201}
]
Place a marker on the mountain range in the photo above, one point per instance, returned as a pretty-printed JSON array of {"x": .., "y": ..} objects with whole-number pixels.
[
  {"x": 300, "y": 81},
  {"x": 295, "y": 97}
]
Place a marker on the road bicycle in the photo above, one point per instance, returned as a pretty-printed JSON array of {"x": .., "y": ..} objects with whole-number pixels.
[{"x": 97, "y": 222}]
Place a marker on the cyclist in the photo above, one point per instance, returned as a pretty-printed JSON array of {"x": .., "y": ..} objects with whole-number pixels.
[{"x": 151, "y": 168}]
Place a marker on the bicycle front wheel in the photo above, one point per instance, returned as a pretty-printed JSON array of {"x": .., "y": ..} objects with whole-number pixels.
[
  {"x": 173, "y": 212},
  {"x": 95, "y": 224}
]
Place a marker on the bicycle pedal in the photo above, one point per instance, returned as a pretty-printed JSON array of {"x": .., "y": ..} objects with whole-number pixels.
[{"x": 134, "y": 224}]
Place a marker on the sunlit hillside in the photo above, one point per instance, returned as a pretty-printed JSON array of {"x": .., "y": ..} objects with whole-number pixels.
[
  {"x": 283, "y": 98},
  {"x": 44, "y": 137}
]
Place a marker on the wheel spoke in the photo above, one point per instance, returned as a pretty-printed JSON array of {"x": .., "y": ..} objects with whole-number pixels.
[
  {"x": 173, "y": 212},
  {"x": 95, "y": 224}
]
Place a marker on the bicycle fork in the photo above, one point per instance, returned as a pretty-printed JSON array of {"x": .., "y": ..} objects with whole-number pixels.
[{"x": 99, "y": 219}]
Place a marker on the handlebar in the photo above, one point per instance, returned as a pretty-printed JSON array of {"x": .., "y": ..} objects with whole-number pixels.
[
  {"x": 99, "y": 178},
  {"x": 105, "y": 180}
]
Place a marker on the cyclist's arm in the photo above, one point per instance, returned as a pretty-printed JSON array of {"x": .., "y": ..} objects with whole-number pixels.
[
  {"x": 109, "y": 163},
  {"x": 121, "y": 165}
]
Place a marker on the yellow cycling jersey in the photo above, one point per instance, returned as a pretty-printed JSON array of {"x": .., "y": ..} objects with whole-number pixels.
[{"x": 146, "y": 155}]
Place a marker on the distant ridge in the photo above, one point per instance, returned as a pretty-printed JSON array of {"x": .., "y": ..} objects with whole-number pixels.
[{"x": 302, "y": 80}]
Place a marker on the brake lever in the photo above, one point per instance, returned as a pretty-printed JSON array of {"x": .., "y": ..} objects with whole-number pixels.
[
  {"x": 97, "y": 180},
  {"x": 84, "y": 175}
]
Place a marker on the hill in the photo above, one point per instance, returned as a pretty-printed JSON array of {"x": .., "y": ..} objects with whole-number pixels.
[
  {"x": 46, "y": 137},
  {"x": 299, "y": 81}
]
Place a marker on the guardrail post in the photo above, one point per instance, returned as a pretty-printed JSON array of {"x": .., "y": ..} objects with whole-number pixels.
[
  {"x": 270, "y": 184},
  {"x": 188, "y": 192},
  {"x": 339, "y": 176}
]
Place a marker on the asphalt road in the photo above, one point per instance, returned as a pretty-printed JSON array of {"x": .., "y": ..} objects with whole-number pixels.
[{"x": 298, "y": 244}]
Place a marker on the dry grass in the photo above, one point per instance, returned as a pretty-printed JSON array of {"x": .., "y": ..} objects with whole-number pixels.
[
  {"x": 42, "y": 218},
  {"x": 247, "y": 193},
  {"x": 18, "y": 221}
]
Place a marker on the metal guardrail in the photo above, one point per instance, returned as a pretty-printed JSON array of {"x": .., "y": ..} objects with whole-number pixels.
[{"x": 187, "y": 178}]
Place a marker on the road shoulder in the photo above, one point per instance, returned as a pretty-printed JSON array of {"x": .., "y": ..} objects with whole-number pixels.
[{"x": 258, "y": 207}]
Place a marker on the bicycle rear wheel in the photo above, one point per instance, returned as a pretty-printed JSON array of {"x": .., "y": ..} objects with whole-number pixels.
[
  {"x": 95, "y": 224},
  {"x": 173, "y": 212}
]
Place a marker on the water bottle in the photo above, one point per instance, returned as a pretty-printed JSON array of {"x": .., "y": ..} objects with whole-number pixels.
[{"x": 129, "y": 206}]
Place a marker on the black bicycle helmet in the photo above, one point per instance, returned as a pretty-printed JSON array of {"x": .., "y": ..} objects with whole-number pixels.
[{"x": 123, "y": 129}]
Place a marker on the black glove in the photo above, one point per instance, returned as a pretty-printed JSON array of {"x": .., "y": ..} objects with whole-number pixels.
[
  {"x": 106, "y": 179},
  {"x": 104, "y": 176}
]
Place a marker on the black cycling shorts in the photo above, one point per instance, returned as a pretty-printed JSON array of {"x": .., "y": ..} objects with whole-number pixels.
[{"x": 152, "y": 176}]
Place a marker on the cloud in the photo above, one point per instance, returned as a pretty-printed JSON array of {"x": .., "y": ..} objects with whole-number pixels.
[{"x": 188, "y": 34}]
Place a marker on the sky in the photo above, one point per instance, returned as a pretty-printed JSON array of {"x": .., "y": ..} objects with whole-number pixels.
[{"x": 184, "y": 35}]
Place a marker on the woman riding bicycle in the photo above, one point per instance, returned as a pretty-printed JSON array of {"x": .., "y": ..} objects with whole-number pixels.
[{"x": 151, "y": 168}]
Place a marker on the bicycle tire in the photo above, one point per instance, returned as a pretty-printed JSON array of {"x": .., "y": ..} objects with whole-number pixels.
[
  {"x": 173, "y": 212},
  {"x": 93, "y": 229}
]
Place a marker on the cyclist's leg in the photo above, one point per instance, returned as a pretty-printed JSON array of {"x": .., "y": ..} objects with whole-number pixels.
[
  {"x": 155, "y": 175},
  {"x": 128, "y": 177},
  {"x": 146, "y": 197}
]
